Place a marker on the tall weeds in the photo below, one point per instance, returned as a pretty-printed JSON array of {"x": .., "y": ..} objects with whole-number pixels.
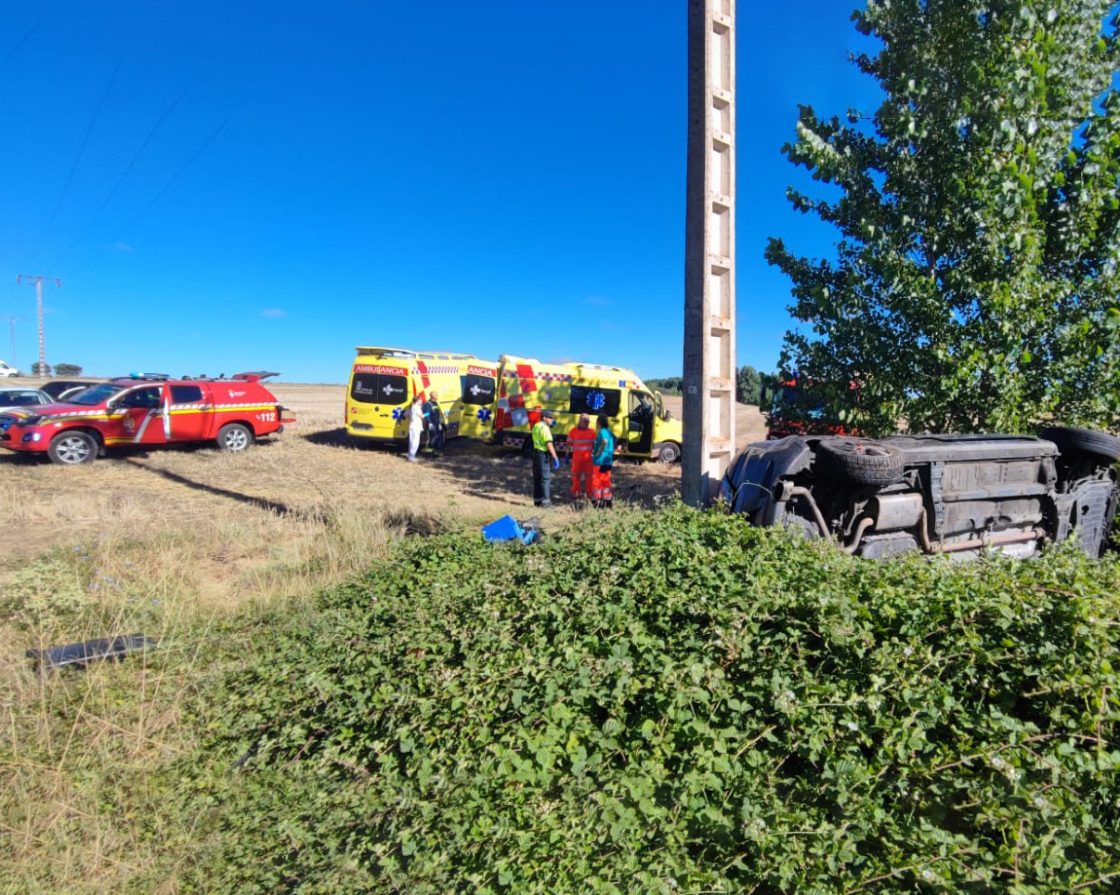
[{"x": 81, "y": 805}]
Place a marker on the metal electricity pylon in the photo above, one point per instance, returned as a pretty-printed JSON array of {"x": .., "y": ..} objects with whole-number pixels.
[
  {"x": 38, "y": 281},
  {"x": 12, "y": 321},
  {"x": 709, "y": 287}
]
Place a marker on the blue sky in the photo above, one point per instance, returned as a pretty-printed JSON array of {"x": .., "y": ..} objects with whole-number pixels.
[{"x": 226, "y": 186}]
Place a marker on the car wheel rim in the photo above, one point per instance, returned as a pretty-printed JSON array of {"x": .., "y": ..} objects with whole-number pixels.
[
  {"x": 236, "y": 440},
  {"x": 73, "y": 450}
]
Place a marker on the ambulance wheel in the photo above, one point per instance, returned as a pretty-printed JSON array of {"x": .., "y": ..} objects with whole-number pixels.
[
  {"x": 234, "y": 437},
  {"x": 670, "y": 452},
  {"x": 72, "y": 448}
]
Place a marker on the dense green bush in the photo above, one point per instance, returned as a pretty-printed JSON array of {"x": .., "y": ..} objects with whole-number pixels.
[{"x": 675, "y": 703}]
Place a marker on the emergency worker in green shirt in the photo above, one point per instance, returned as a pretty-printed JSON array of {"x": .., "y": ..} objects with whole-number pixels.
[{"x": 544, "y": 459}]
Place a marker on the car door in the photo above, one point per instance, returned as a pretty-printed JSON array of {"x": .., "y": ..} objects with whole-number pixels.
[
  {"x": 189, "y": 412},
  {"x": 639, "y": 423},
  {"x": 141, "y": 415}
]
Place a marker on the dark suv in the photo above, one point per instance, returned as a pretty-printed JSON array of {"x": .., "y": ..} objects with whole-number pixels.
[{"x": 955, "y": 494}]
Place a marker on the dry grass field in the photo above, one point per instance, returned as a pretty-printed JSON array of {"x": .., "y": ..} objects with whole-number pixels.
[
  {"x": 172, "y": 542},
  {"x": 273, "y": 504}
]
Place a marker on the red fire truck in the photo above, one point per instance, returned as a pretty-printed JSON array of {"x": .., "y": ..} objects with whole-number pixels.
[{"x": 146, "y": 411}]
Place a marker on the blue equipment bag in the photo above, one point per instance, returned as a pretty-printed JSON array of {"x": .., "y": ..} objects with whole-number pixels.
[{"x": 507, "y": 529}]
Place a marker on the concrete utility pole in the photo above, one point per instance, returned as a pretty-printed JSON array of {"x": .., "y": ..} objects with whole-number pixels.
[
  {"x": 709, "y": 266},
  {"x": 38, "y": 281}
]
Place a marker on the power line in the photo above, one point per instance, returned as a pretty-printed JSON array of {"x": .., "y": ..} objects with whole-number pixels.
[
  {"x": 121, "y": 179},
  {"x": 12, "y": 321},
  {"x": 19, "y": 43},
  {"x": 183, "y": 167},
  {"x": 77, "y": 158}
]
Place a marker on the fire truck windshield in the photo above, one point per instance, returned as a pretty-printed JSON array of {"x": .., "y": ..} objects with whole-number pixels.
[{"x": 96, "y": 394}]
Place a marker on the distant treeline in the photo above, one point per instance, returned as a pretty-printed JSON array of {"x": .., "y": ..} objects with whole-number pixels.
[{"x": 751, "y": 386}]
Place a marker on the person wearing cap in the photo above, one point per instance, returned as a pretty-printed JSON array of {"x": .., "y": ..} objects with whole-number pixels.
[
  {"x": 544, "y": 459},
  {"x": 580, "y": 438}
]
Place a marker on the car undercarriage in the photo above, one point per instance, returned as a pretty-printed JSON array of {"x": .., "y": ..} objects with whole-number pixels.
[{"x": 938, "y": 494}]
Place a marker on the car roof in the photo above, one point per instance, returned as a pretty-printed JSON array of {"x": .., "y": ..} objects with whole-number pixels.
[
  {"x": 156, "y": 378},
  {"x": 20, "y": 390}
]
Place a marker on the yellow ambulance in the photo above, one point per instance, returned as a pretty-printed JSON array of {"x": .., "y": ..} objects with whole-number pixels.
[
  {"x": 383, "y": 382},
  {"x": 641, "y": 425}
]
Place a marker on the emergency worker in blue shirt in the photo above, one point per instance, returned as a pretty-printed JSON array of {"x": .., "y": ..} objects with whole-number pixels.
[
  {"x": 602, "y": 456},
  {"x": 545, "y": 459}
]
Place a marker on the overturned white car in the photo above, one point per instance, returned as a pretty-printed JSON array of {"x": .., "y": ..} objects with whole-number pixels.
[{"x": 955, "y": 494}]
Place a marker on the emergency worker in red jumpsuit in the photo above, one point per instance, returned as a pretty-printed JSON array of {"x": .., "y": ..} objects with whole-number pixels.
[{"x": 581, "y": 437}]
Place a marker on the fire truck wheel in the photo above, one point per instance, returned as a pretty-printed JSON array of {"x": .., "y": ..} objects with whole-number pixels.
[
  {"x": 72, "y": 448},
  {"x": 858, "y": 461},
  {"x": 234, "y": 437}
]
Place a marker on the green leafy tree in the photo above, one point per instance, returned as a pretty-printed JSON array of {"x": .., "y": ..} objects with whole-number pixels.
[
  {"x": 975, "y": 281},
  {"x": 669, "y": 385},
  {"x": 771, "y": 384},
  {"x": 67, "y": 370},
  {"x": 748, "y": 385},
  {"x": 38, "y": 368}
]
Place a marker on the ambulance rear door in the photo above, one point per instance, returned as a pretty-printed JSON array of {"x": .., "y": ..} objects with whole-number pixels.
[
  {"x": 479, "y": 396},
  {"x": 379, "y": 399}
]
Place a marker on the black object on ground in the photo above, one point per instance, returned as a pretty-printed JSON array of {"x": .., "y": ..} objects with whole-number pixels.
[{"x": 79, "y": 654}]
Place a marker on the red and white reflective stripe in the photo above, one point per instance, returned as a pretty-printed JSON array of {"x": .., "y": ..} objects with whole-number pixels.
[
  {"x": 527, "y": 379},
  {"x": 422, "y": 369},
  {"x": 438, "y": 368}
]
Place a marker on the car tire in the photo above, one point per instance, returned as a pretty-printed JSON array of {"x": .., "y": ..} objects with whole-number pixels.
[
  {"x": 73, "y": 448},
  {"x": 859, "y": 461},
  {"x": 670, "y": 452},
  {"x": 1088, "y": 441},
  {"x": 234, "y": 438}
]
